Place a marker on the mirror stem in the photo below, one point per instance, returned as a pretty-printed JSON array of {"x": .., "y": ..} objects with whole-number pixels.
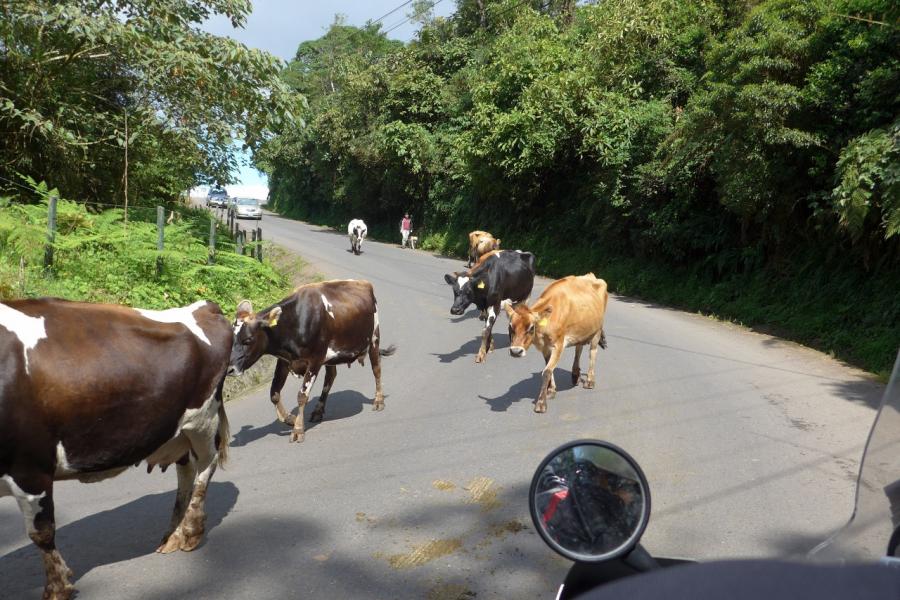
[{"x": 641, "y": 560}]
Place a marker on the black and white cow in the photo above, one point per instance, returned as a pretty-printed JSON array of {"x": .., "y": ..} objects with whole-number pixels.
[
  {"x": 320, "y": 324},
  {"x": 87, "y": 390},
  {"x": 356, "y": 230},
  {"x": 506, "y": 275}
]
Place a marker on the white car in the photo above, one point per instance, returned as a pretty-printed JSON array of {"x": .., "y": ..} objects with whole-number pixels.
[{"x": 247, "y": 208}]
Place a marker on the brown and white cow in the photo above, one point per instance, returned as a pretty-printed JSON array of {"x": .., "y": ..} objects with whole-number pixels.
[
  {"x": 87, "y": 390},
  {"x": 480, "y": 243},
  {"x": 570, "y": 312},
  {"x": 320, "y": 324}
]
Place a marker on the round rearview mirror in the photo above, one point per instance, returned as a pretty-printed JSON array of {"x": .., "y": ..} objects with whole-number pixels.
[{"x": 590, "y": 501}]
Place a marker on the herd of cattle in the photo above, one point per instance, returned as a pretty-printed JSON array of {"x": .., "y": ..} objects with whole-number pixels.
[{"x": 87, "y": 390}]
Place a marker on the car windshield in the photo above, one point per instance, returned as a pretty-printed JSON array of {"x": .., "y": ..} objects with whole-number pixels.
[{"x": 248, "y": 202}]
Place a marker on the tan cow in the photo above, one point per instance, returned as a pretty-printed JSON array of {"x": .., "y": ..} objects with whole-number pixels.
[
  {"x": 480, "y": 243},
  {"x": 570, "y": 312}
]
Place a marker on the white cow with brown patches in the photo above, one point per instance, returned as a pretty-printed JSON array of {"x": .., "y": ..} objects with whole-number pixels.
[{"x": 570, "y": 312}]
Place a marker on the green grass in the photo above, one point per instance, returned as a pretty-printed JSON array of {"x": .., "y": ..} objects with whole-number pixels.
[{"x": 97, "y": 258}]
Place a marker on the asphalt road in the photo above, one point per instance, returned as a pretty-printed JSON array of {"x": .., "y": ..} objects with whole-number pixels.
[{"x": 750, "y": 445}]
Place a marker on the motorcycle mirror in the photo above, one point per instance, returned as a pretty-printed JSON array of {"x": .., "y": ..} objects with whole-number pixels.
[{"x": 590, "y": 501}]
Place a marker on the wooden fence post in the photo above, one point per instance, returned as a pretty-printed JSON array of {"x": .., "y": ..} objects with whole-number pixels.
[
  {"x": 259, "y": 242},
  {"x": 239, "y": 242},
  {"x": 51, "y": 233},
  {"x": 212, "y": 241},
  {"x": 160, "y": 227},
  {"x": 254, "y": 247}
]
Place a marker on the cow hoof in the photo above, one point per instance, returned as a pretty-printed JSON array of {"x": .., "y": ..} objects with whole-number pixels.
[
  {"x": 170, "y": 544},
  {"x": 540, "y": 407},
  {"x": 575, "y": 377},
  {"x": 317, "y": 416},
  {"x": 59, "y": 592},
  {"x": 588, "y": 385},
  {"x": 378, "y": 406},
  {"x": 190, "y": 543},
  {"x": 297, "y": 437},
  {"x": 479, "y": 359}
]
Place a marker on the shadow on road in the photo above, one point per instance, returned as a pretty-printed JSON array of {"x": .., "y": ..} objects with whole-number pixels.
[
  {"x": 860, "y": 392},
  {"x": 527, "y": 389},
  {"x": 793, "y": 545},
  {"x": 249, "y": 434},
  {"x": 340, "y": 405},
  {"x": 87, "y": 544},
  {"x": 470, "y": 348},
  {"x": 323, "y": 229},
  {"x": 278, "y": 558}
]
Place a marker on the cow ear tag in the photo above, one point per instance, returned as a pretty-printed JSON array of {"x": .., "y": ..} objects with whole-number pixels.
[
  {"x": 480, "y": 285},
  {"x": 543, "y": 322}
]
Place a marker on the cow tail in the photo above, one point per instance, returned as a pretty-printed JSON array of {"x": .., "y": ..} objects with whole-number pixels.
[
  {"x": 389, "y": 351},
  {"x": 603, "y": 339},
  {"x": 223, "y": 435}
]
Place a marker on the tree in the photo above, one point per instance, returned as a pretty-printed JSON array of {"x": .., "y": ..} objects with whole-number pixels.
[{"x": 82, "y": 80}]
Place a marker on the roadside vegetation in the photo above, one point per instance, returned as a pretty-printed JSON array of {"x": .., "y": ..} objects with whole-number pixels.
[
  {"x": 99, "y": 258},
  {"x": 741, "y": 159}
]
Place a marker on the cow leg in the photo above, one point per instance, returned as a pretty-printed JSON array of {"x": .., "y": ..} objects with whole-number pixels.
[
  {"x": 576, "y": 368},
  {"x": 186, "y": 473},
  {"x": 319, "y": 413},
  {"x": 487, "y": 340},
  {"x": 595, "y": 344},
  {"x": 548, "y": 384},
  {"x": 189, "y": 532},
  {"x": 309, "y": 379},
  {"x": 282, "y": 368},
  {"x": 37, "y": 509},
  {"x": 375, "y": 359},
  {"x": 207, "y": 433}
]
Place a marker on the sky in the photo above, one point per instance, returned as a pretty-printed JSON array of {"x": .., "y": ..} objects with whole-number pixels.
[{"x": 279, "y": 26}]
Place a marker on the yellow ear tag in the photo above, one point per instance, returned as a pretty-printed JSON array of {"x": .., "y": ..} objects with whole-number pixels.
[
  {"x": 543, "y": 322},
  {"x": 273, "y": 322},
  {"x": 480, "y": 285}
]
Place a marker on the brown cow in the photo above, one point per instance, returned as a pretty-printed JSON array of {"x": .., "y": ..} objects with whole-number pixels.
[
  {"x": 320, "y": 324},
  {"x": 87, "y": 390},
  {"x": 480, "y": 243},
  {"x": 570, "y": 312}
]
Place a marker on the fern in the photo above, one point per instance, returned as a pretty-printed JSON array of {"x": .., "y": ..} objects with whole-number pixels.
[{"x": 97, "y": 258}]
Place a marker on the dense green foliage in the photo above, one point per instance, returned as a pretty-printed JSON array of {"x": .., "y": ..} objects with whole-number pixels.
[
  {"x": 98, "y": 258},
  {"x": 741, "y": 158},
  {"x": 99, "y": 98}
]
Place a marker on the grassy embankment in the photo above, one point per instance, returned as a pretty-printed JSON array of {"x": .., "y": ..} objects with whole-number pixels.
[
  {"x": 839, "y": 309},
  {"x": 97, "y": 258}
]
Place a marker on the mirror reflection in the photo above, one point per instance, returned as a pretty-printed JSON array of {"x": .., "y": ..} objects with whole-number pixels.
[{"x": 590, "y": 500}]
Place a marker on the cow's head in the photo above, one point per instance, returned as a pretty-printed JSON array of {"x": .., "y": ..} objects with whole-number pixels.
[
  {"x": 522, "y": 326},
  {"x": 251, "y": 336},
  {"x": 463, "y": 291}
]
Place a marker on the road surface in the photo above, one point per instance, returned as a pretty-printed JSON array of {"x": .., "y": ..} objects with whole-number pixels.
[{"x": 750, "y": 445}]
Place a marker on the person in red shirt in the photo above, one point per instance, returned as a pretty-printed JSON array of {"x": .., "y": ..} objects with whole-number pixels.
[{"x": 405, "y": 228}]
